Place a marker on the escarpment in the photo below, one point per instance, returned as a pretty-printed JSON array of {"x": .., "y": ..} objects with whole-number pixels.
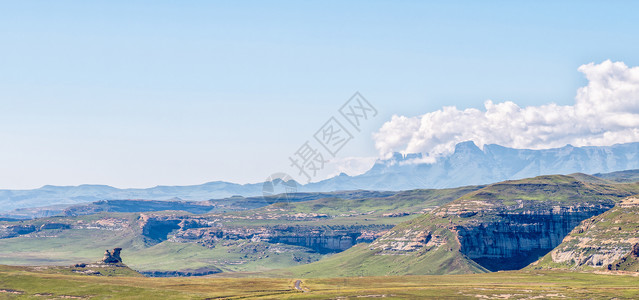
[
  {"x": 609, "y": 241},
  {"x": 322, "y": 239},
  {"x": 504, "y": 226},
  {"x": 207, "y": 232},
  {"x": 514, "y": 240}
]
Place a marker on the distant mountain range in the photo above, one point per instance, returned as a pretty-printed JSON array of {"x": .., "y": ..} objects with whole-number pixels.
[
  {"x": 467, "y": 165},
  {"x": 470, "y": 165}
]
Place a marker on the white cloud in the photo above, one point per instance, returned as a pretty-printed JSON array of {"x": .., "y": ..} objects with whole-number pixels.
[{"x": 606, "y": 112}]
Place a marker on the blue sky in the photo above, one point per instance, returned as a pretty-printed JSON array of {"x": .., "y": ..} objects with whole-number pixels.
[{"x": 145, "y": 93}]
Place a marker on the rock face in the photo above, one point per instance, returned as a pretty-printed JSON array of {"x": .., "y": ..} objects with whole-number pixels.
[
  {"x": 609, "y": 241},
  {"x": 156, "y": 228},
  {"x": 112, "y": 257},
  {"x": 517, "y": 240},
  {"x": 503, "y": 226},
  {"x": 321, "y": 242},
  {"x": 16, "y": 230},
  {"x": 55, "y": 226},
  {"x": 324, "y": 239},
  {"x": 204, "y": 231}
]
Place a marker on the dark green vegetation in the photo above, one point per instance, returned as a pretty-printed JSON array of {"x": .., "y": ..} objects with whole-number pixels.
[{"x": 30, "y": 283}]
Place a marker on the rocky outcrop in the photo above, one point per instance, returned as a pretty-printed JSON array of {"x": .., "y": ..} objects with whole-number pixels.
[
  {"x": 320, "y": 243},
  {"x": 55, "y": 226},
  {"x": 325, "y": 239},
  {"x": 321, "y": 239},
  {"x": 609, "y": 241},
  {"x": 516, "y": 240},
  {"x": 112, "y": 257},
  {"x": 504, "y": 226},
  {"x": 208, "y": 232},
  {"x": 157, "y": 228},
  {"x": 16, "y": 230}
]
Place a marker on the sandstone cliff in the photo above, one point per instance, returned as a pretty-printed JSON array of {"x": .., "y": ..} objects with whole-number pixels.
[
  {"x": 504, "y": 226},
  {"x": 609, "y": 241}
]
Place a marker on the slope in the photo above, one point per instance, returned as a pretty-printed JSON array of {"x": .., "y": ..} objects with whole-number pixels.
[
  {"x": 504, "y": 226},
  {"x": 609, "y": 241}
]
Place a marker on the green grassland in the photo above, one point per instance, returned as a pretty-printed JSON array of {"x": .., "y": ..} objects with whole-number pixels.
[
  {"x": 365, "y": 211},
  {"x": 233, "y": 256},
  {"x": 405, "y": 201},
  {"x": 411, "y": 212},
  {"x": 361, "y": 261},
  {"x": 70, "y": 246},
  {"x": 28, "y": 283},
  {"x": 65, "y": 247},
  {"x": 556, "y": 188},
  {"x": 539, "y": 193},
  {"x": 81, "y": 245},
  {"x": 627, "y": 176},
  {"x": 373, "y": 260}
]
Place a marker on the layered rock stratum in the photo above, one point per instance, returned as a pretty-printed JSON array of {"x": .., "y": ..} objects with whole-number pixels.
[{"x": 609, "y": 241}]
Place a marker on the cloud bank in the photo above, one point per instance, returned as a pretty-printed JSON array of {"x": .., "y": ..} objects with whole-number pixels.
[{"x": 606, "y": 112}]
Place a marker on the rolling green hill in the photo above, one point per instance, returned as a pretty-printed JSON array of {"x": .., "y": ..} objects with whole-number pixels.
[
  {"x": 166, "y": 243},
  {"x": 627, "y": 176},
  {"x": 503, "y": 226}
]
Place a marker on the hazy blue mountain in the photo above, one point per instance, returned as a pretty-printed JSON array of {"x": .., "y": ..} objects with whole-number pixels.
[
  {"x": 51, "y": 195},
  {"x": 470, "y": 165},
  {"x": 467, "y": 165}
]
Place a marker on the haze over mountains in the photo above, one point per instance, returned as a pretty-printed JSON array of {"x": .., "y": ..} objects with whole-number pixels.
[
  {"x": 470, "y": 165},
  {"x": 467, "y": 165}
]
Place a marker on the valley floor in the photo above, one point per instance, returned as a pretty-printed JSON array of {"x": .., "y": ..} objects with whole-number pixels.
[{"x": 36, "y": 283}]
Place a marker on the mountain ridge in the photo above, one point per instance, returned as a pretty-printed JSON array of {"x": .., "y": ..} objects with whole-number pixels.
[{"x": 467, "y": 165}]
